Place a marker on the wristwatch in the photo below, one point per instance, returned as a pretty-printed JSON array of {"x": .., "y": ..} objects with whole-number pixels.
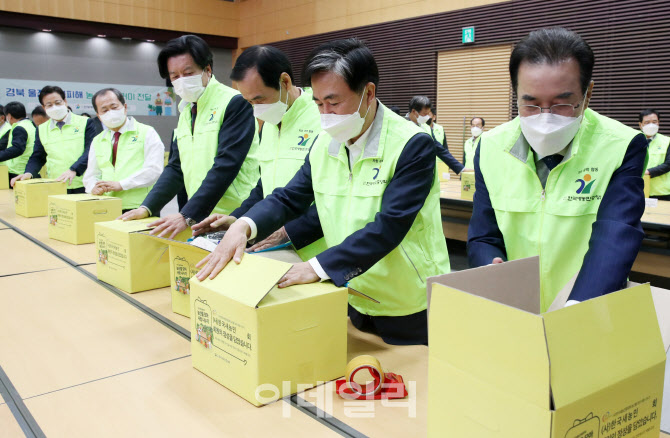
[{"x": 189, "y": 222}]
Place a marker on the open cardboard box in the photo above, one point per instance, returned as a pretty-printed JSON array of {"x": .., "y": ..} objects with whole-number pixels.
[
  {"x": 183, "y": 256},
  {"x": 262, "y": 342},
  {"x": 72, "y": 217},
  {"x": 500, "y": 368},
  {"x": 30, "y": 196},
  {"x": 129, "y": 258}
]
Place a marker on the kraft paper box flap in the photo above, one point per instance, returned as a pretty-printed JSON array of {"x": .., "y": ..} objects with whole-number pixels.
[
  {"x": 662, "y": 303},
  {"x": 514, "y": 283},
  {"x": 600, "y": 342},
  {"x": 79, "y": 197},
  {"x": 40, "y": 181},
  {"x": 296, "y": 292},
  {"x": 511, "y": 358},
  {"x": 250, "y": 281},
  {"x": 129, "y": 226}
]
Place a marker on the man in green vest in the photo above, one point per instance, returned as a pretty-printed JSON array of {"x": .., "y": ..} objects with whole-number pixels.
[
  {"x": 62, "y": 143},
  {"x": 215, "y": 152},
  {"x": 476, "y": 128},
  {"x": 291, "y": 123},
  {"x": 419, "y": 114},
  {"x": 126, "y": 158},
  {"x": 658, "y": 167},
  {"x": 372, "y": 178},
  {"x": 21, "y": 139},
  {"x": 560, "y": 181}
]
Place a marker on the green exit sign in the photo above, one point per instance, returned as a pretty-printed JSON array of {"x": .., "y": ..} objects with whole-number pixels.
[{"x": 468, "y": 35}]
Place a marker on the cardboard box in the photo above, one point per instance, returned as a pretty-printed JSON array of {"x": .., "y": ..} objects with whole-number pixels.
[
  {"x": 443, "y": 171},
  {"x": 4, "y": 177},
  {"x": 467, "y": 185},
  {"x": 72, "y": 217},
  {"x": 262, "y": 342},
  {"x": 499, "y": 368},
  {"x": 30, "y": 196},
  {"x": 183, "y": 258},
  {"x": 129, "y": 258},
  {"x": 647, "y": 185}
]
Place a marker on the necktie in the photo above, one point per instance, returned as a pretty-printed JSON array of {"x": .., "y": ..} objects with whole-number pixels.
[
  {"x": 60, "y": 125},
  {"x": 117, "y": 134},
  {"x": 194, "y": 113},
  {"x": 552, "y": 161}
]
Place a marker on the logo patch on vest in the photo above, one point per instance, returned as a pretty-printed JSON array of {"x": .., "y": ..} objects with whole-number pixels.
[
  {"x": 211, "y": 118},
  {"x": 76, "y": 130},
  {"x": 304, "y": 140},
  {"x": 375, "y": 174},
  {"x": 134, "y": 140},
  {"x": 585, "y": 182}
]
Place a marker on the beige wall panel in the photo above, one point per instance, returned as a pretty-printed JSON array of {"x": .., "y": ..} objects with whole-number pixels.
[
  {"x": 273, "y": 18},
  {"x": 472, "y": 82}
]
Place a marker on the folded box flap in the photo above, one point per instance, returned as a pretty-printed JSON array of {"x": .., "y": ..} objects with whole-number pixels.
[
  {"x": 40, "y": 181},
  {"x": 600, "y": 342},
  {"x": 128, "y": 226},
  {"x": 250, "y": 281},
  {"x": 79, "y": 197},
  {"x": 514, "y": 283},
  {"x": 662, "y": 304}
]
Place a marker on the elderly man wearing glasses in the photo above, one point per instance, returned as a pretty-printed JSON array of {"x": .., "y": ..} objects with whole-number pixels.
[{"x": 560, "y": 181}]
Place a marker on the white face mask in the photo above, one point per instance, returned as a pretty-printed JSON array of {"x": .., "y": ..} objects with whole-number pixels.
[
  {"x": 189, "y": 88},
  {"x": 272, "y": 112},
  {"x": 650, "y": 129},
  {"x": 549, "y": 133},
  {"x": 476, "y": 131},
  {"x": 343, "y": 127},
  {"x": 57, "y": 112},
  {"x": 422, "y": 119},
  {"x": 114, "y": 118}
]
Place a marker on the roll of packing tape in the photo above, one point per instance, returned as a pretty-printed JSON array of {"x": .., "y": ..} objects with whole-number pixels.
[{"x": 370, "y": 364}]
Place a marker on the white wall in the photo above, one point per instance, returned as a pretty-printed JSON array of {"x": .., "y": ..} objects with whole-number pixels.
[{"x": 53, "y": 57}]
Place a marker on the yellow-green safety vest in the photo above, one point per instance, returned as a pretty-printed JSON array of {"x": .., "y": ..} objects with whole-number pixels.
[
  {"x": 198, "y": 149},
  {"x": 658, "y": 148},
  {"x": 438, "y": 132},
  {"x": 348, "y": 200},
  {"x": 17, "y": 165},
  {"x": 63, "y": 146},
  {"x": 282, "y": 153},
  {"x": 469, "y": 149},
  {"x": 4, "y": 129},
  {"x": 129, "y": 160},
  {"x": 555, "y": 222}
]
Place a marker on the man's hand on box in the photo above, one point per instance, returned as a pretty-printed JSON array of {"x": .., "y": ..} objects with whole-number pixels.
[
  {"x": 231, "y": 247},
  {"x": 497, "y": 261},
  {"x": 68, "y": 176},
  {"x": 138, "y": 213},
  {"x": 300, "y": 273},
  {"x": 274, "y": 239},
  {"x": 23, "y": 177},
  {"x": 169, "y": 226},
  {"x": 216, "y": 222}
]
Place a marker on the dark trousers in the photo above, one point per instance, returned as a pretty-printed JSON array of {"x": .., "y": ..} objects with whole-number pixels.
[
  {"x": 662, "y": 198},
  {"x": 11, "y": 175},
  {"x": 79, "y": 190},
  {"x": 395, "y": 330}
]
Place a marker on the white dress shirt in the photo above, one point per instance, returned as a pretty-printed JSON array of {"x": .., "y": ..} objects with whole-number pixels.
[
  {"x": 355, "y": 150},
  {"x": 154, "y": 157}
]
